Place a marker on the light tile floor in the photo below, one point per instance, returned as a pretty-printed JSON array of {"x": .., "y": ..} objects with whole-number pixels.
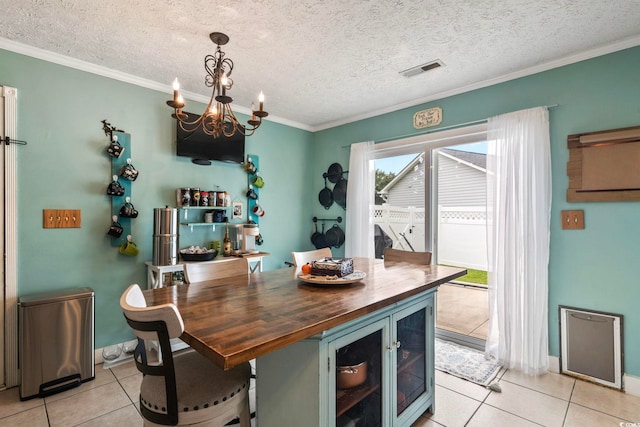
[{"x": 549, "y": 400}]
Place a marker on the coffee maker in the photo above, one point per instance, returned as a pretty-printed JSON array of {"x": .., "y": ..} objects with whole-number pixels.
[
  {"x": 249, "y": 234},
  {"x": 243, "y": 238},
  {"x": 235, "y": 235}
]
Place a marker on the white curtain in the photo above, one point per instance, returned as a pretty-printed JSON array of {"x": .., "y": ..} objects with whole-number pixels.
[
  {"x": 360, "y": 191},
  {"x": 518, "y": 209}
]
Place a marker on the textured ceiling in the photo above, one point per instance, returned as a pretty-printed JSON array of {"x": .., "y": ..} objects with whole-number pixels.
[{"x": 323, "y": 62}]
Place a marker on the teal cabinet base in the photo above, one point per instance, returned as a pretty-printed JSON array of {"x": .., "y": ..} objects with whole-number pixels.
[{"x": 297, "y": 384}]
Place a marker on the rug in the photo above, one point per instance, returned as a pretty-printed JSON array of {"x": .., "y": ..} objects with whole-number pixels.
[{"x": 465, "y": 362}]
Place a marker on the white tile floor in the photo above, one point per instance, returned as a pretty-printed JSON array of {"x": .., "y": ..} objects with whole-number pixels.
[
  {"x": 547, "y": 400},
  {"x": 550, "y": 400}
]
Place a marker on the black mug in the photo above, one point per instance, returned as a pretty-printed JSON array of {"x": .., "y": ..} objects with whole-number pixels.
[
  {"x": 128, "y": 171},
  {"x": 115, "y": 230},
  {"x": 115, "y": 149},
  {"x": 128, "y": 211},
  {"x": 115, "y": 189},
  {"x": 251, "y": 193}
]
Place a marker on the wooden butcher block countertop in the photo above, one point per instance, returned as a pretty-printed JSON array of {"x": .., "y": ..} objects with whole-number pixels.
[{"x": 237, "y": 319}]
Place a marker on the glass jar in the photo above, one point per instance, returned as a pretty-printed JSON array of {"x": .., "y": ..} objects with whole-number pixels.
[
  {"x": 204, "y": 198},
  {"x": 220, "y": 198},
  {"x": 195, "y": 197}
]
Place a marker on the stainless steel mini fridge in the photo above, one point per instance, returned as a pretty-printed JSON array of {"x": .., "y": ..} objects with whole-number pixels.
[{"x": 56, "y": 341}]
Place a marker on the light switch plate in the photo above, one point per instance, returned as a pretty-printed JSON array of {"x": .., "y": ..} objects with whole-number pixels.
[
  {"x": 61, "y": 218},
  {"x": 572, "y": 220}
]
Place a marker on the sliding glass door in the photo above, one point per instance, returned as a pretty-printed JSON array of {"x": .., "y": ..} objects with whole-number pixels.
[{"x": 431, "y": 196}]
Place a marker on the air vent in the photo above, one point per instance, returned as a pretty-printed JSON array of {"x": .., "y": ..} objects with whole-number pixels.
[{"x": 422, "y": 68}]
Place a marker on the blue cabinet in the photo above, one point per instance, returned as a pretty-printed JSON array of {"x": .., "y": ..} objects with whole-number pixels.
[{"x": 324, "y": 376}]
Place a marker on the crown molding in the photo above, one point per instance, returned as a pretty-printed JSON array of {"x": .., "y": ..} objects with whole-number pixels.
[
  {"x": 99, "y": 70},
  {"x": 166, "y": 88},
  {"x": 567, "y": 60}
]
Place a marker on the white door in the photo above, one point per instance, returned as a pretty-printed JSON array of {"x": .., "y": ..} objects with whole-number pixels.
[
  {"x": 2, "y": 245},
  {"x": 9, "y": 374}
]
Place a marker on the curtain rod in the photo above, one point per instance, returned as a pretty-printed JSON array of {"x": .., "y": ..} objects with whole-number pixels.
[{"x": 426, "y": 132}]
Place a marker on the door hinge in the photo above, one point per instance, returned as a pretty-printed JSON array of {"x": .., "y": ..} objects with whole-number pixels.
[
  {"x": 430, "y": 310},
  {"x": 328, "y": 364}
]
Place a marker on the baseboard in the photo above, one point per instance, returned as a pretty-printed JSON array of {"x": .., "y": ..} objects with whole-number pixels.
[
  {"x": 554, "y": 364},
  {"x": 106, "y": 364},
  {"x": 176, "y": 344},
  {"x": 631, "y": 384}
]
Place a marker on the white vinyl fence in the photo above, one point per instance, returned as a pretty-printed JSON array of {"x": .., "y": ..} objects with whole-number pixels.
[
  {"x": 462, "y": 237},
  {"x": 398, "y": 222},
  {"x": 461, "y": 232}
]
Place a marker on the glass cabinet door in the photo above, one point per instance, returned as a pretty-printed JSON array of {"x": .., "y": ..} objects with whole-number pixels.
[
  {"x": 360, "y": 377},
  {"x": 411, "y": 357}
]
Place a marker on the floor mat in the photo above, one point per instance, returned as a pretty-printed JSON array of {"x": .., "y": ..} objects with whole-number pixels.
[{"x": 465, "y": 362}]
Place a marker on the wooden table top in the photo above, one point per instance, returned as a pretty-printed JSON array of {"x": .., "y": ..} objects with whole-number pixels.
[{"x": 237, "y": 319}]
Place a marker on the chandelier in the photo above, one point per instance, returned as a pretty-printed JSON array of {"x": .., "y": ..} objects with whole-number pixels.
[{"x": 218, "y": 118}]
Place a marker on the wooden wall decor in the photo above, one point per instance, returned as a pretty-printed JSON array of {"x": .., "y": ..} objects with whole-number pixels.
[{"x": 604, "y": 166}]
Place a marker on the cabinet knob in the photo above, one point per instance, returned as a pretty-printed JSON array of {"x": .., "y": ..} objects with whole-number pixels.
[{"x": 393, "y": 345}]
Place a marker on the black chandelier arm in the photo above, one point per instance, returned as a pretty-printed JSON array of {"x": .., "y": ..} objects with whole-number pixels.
[
  {"x": 218, "y": 118},
  {"x": 211, "y": 67},
  {"x": 229, "y": 67},
  {"x": 189, "y": 126},
  {"x": 230, "y": 117}
]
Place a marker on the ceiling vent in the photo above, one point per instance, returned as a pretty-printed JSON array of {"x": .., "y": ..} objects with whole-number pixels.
[{"x": 422, "y": 68}]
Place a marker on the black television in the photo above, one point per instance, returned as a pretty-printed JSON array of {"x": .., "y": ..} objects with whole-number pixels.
[{"x": 203, "y": 148}]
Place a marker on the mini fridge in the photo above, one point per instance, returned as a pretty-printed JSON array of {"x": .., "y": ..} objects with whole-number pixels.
[{"x": 56, "y": 341}]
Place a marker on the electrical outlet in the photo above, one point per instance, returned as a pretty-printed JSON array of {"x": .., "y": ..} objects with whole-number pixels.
[{"x": 572, "y": 220}]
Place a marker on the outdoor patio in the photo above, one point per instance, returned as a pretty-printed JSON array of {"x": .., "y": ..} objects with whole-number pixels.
[{"x": 463, "y": 309}]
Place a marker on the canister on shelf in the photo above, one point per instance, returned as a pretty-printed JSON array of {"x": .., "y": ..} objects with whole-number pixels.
[
  {"x": 204, "y": 198},
  {"x": 185, "y": 196},
  {"x": 213, "y": 198},
  {"x": 195, "y": 197},
  {"x": 220, "y": 198}
]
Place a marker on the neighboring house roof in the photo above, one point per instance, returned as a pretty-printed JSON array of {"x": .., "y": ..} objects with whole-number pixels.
[
  {"x": 416, "y": 160},
  {"x": 474, "y": 160}
]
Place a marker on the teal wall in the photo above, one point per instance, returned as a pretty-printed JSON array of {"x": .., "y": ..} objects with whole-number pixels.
[
  {"x": 594, "y": 268},
  {"x": 64, "y": 166}
]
